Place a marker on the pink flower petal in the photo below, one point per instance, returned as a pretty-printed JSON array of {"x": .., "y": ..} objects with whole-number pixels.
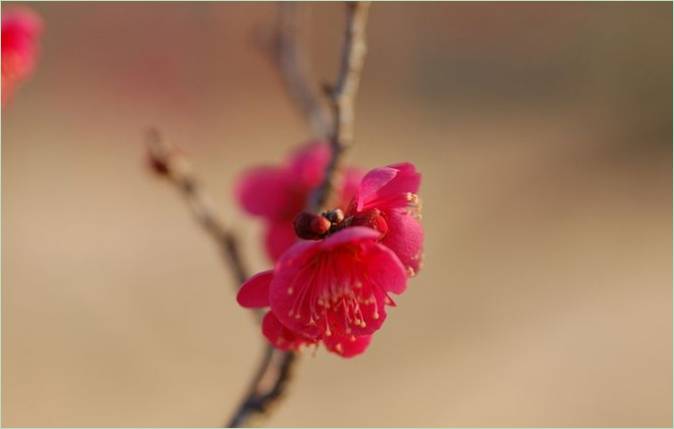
[
  {"x": 405, "y": 238},
  {"x": 407, "y": 180},
  {"x": 281, "y": 337},
  {"x": 352, "y": 235},
  {"x": 21, "y": 29},
  {"x": 373, "y": 181},
  {"x": 254, "y": 293},
  {"x": 386, "y": 270},
  {"x": 388, "y": 187},
  {"x": 292, "y": 275},
  {"x": 296, "y": 255},
  {"x": 337, "y": 286},
  {"x": 347, "y": 346},
  {"x": 264, "y": 191},
  {"x": 279, "y": 236}
]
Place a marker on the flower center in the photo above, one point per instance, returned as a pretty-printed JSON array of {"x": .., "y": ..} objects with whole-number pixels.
[
  {"x": 309, "y": 226},
  {"x": 338, "y": 297}
]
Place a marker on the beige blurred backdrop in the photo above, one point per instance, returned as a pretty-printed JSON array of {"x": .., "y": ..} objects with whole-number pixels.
[{"x": 544, "y": 134}]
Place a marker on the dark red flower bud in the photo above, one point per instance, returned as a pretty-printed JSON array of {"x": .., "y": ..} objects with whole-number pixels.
[{"x": 310, "y": 226}]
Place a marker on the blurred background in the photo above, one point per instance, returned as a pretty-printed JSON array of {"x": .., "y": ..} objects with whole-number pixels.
[{"x": 544, "y": 133}]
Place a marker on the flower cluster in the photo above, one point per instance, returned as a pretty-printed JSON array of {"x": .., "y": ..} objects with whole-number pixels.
[
  {"x": 334, "y": 287},
  {"x": 20, "y": 31}
]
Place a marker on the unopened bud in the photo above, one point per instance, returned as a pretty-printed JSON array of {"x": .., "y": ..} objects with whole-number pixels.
[{"x": 310, "y": 226}]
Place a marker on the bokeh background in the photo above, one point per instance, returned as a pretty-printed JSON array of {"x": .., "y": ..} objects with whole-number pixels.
[{"x": 544, "y": 133}]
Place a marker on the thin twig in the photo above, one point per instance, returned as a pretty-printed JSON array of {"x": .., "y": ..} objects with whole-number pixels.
[
  {"x": 274, "y": 372},
  {"x": 168, "y": 162},
  {"x": 343, "y": 97},
  {"x": 287, "y": 54}
]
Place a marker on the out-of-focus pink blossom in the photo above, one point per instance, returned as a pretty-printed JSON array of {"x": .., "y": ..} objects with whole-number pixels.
[
  {"x": 278, "y": 193},
  {"x": 21, "y": 29},
  {"x": 333, "y": 291}
]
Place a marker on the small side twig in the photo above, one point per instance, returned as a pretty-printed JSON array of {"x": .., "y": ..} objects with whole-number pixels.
[
  {"x": 168, "y": 162},
  {"x": 288, "y": 56},
  {"x": 274, "y": 372}
]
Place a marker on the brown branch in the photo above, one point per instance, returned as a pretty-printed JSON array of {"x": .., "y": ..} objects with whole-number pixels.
[
  {"x": 274, "y": 373},
  {"x": 288, "y": 56},
  {"x": 168, "y": 162},
  {"x": 343, "y": 97}
]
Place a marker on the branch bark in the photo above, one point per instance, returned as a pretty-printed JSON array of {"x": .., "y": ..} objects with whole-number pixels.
[
  {"x": 275, "y": 370},
  {"x": 168, "y": 162},
  {"x": 271, "y": 379},
  {"x": 343, "y": 98},
  {"x": 290, "y": 59}
]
